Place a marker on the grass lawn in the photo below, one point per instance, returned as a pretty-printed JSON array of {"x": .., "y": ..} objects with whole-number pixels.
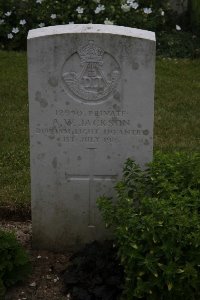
[
  {"x": 177, "y": 119},
  {"x": 177, "y": 105}
]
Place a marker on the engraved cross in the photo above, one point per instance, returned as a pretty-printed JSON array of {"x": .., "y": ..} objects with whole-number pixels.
[{"x": 91, "y": 178}]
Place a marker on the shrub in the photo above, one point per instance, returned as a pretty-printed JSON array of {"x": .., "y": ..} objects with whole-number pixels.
[
  {"x": 14, "y": 262},
  {"x": 178, "y": 44},
  {"x": 156, "y": 225},
  {"x": 17, "y": 17}
]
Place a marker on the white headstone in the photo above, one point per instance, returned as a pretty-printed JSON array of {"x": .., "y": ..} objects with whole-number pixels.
[{"x": 91, "y": 95}]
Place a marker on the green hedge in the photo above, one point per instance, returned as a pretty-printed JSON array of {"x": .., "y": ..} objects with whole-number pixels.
[
  {"x": 156, "y": 224},
  {"x": 17, "y": 17}
]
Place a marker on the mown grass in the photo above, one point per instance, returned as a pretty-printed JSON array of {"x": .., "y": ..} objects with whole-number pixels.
[
  {"x": 177, "y": 105},
  {"x": 177, "y": 119},
  {"x": 14, "y": 140}
]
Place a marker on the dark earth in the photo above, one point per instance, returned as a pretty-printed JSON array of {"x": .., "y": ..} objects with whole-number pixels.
[{"x": 93, "y": 273}]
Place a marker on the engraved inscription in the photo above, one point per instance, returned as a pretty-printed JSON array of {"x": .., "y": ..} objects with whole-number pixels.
[
  {"x": 91, "y": 74},
  {"x": 93, "y": 127}
]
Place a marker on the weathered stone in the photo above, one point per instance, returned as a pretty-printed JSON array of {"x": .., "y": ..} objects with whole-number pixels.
[
  {"x": 180, "y": 6},
  {"x": 91, "y": 91}
]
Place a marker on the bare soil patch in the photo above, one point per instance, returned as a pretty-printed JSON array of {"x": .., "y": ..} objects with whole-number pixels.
[
  {"x": 93, "y": 273},
  {"x": 45, "y": 282}
]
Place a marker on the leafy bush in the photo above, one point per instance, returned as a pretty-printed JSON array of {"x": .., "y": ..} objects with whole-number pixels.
[
  {"x": 156, "y": 225},
  {"x": 14, "y": 262},
  {"x": 17, "y": 17},
  {"x": 178, "y": 44}
]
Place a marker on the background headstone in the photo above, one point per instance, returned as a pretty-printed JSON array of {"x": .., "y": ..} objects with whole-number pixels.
[
  {"x": 91, "y": 95},
  {"x": 180, "y": 6}
]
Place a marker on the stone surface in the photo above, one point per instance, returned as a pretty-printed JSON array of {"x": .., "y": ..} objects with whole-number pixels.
[
  {"x": 180, "y": 6},
  {"x": 91, "y": 95}
]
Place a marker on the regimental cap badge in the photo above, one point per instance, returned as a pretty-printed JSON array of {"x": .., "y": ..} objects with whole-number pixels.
[
  {"x": 86, "y": 75},
  {"x": 91, "y": 54}
]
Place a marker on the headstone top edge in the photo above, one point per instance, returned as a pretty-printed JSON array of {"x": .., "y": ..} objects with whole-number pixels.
[{"x": 91, "y": 28}]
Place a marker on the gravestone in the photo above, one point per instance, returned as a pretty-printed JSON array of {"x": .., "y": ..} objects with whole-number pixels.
[
  {"x": 91, "y": 97},
  {"x": 180, "y": 6}
]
